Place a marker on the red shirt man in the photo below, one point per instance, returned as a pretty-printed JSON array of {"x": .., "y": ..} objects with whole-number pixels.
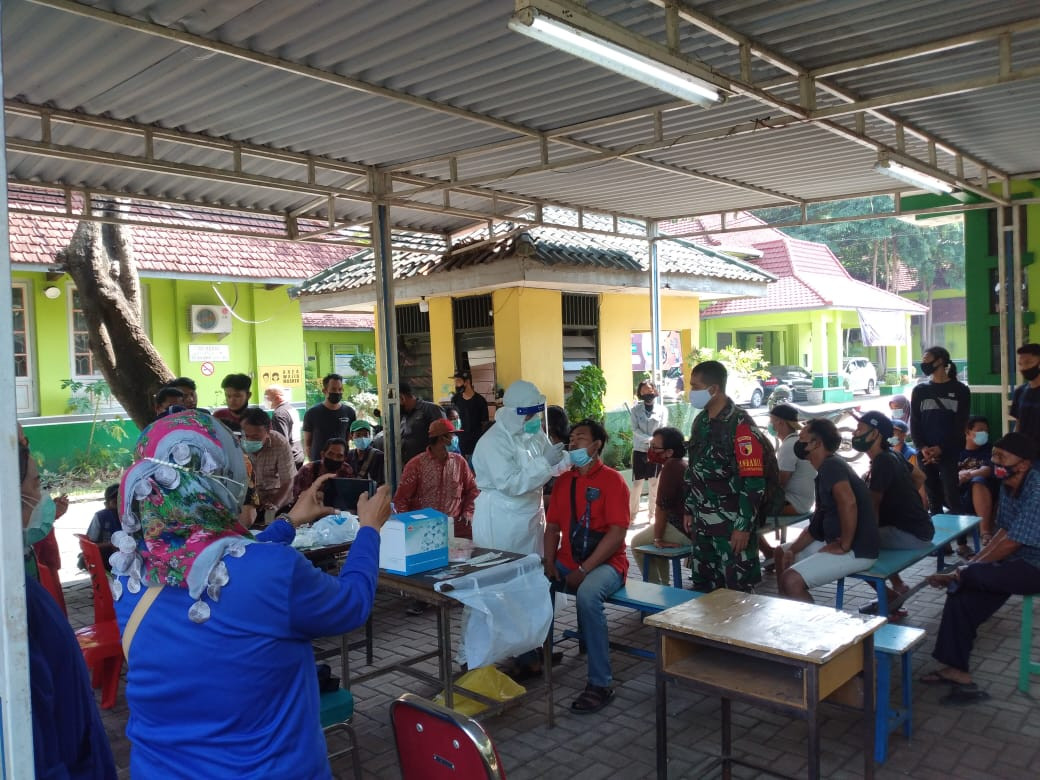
[
  {"x": 590, "y": 500},
  {"x": 607, "y": 510}
]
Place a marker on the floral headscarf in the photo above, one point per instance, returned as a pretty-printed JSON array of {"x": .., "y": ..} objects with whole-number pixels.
[{"x": 180, "y": 503}]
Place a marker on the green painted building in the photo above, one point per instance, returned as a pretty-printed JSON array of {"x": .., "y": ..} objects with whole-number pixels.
[{"x": 212, "y": 304}]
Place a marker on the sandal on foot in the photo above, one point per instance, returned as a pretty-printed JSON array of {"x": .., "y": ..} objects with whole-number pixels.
[
  {"x": 963, "y": 551},
  {"x": 937, "y": 678},
  {"x": 592, "y": 699},
  {"x": 960, "y": 695}
]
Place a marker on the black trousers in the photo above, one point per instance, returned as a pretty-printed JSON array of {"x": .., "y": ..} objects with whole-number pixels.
[
  {"x": 982, "y": 590},
  {"x": 940, "y": 484}
]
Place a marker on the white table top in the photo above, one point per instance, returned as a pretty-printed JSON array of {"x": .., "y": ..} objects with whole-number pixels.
[{"x": 782, "y": 627}]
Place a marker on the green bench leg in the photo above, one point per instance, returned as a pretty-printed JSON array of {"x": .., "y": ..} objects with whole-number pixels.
[{"x": 1026, "y": 664}]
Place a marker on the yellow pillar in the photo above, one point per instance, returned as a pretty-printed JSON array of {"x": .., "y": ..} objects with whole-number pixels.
[
  {"x": 619, "y": 315},
  {"x": 529, "y": 339},
  {"x": 442, "y": 348}
]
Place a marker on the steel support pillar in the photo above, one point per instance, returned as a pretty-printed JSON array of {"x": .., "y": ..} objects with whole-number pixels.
[{"x": 386, "y": 328}]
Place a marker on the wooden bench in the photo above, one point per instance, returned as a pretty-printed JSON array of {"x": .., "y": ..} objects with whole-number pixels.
[
  {"x": 889, "y": 562},
  {"x": 892, "y": 641},
  {"x": 648, "y": 598},
  {"x": 676, "y": 554}
]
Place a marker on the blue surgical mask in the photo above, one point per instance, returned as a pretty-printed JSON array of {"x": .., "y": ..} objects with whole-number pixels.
[
  {"x": 363, "y": 442},
  {"x": 41, "y": 521},
  {"x": 898, "y": 414},
  {"x": 533, "y": 425},
  {"x": 251, "y": 447},
  {"x": 771, "y": 429},
  {"x": 981, "y": 438},
  {"x": 580, "y": 458},
  {"x": 700, "y": 398}
]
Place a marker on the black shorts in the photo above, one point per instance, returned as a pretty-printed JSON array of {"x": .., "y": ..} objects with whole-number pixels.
[{"x": 642, "y": 468}]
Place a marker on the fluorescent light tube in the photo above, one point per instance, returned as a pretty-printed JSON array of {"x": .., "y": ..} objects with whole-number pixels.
[
  {"x": 913, "y": 176},
  {"x": 607, "y": 54}
]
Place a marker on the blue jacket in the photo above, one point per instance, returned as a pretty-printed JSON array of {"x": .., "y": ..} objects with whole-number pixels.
[
  {"x": 237, "y": 696},
  {"x": 69, "y": 742}
]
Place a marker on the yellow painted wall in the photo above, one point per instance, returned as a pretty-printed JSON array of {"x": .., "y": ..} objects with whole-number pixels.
[
  {"x": 529, "y": 339},
  {"x": 442, "y": 348},
  {"x": 622, "y": 315}
]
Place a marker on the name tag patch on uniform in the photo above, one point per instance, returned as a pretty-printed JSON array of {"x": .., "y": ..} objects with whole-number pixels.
[{"x": 749, "y": 454}]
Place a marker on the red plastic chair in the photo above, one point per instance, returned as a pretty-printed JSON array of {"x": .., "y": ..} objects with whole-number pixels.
[
  {"x": 434, "y": 742},
  {"x": 52, "y": 584},
  {"x": 100, "y": 643}
]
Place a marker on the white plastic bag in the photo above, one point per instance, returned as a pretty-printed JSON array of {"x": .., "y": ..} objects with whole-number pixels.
[
  {"x": 331, "y": 529},
  {"x": 508, "y": 610}
]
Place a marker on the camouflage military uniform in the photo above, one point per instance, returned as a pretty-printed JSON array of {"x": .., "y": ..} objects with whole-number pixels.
[{"x": 724, "y": 487}]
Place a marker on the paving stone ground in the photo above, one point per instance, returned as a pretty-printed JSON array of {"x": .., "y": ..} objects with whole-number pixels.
[{"x": 996, "y": 739}]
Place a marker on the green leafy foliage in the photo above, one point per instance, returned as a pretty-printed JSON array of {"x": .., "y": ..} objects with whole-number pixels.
[
  {"x": 586, "y": 398},
  {"x": 364, "y": 404},
  {"x": 746, "y": 363},
  {"x": 364, "y": 364},
  {"x": 312, "y": 384},
  {"x": 100, "y": 463}
]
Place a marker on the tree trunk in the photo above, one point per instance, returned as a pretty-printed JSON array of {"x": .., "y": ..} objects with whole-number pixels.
[
  {"x": 874, "y": 264},
  {"x": 100, "y": 260}
]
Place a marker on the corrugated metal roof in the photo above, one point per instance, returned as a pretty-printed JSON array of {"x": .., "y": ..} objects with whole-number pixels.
[{"x": 496, "y": 91}]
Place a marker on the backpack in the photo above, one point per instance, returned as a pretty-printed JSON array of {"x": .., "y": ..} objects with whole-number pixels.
[{"x": 773, "y": 498}]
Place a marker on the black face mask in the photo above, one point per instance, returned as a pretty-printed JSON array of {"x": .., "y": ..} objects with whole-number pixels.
[
  {"x": 801, "y": 450},
  {"x": 335, "y": 398},
  {"x": 459, "y": 388},
  {"x": 928, "y": 368},
  {"x": 648, "y": 398},
  {"x": 1029, "y": 374},
  {"x": 331, "y": 465}
]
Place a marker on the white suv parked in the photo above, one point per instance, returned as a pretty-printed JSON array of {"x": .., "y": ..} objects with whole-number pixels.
[{"x": 859, "y": 375}]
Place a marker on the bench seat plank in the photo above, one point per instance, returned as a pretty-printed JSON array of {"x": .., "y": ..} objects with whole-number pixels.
[{"x": 649, "y": 597}]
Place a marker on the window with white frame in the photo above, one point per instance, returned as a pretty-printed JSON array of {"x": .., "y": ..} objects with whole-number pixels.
[
  {"x": 83, "y": 365},
  {"x": 21, "y": 331}
]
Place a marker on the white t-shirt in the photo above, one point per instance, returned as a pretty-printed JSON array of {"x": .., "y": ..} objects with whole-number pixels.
[{"x": 800, "y": 491}]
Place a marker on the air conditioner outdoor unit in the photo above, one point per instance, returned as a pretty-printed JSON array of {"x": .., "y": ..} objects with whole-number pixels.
[{"x": 210, "y": 319}]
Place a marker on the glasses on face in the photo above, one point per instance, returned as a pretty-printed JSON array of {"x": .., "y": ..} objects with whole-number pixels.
[{"x": 657, "y": 449}]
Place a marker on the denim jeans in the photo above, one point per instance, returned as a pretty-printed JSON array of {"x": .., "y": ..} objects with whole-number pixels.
[{"x": 594, "y": 590}]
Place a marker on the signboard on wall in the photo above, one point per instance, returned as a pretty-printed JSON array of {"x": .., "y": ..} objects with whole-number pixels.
[
  {"x": 643, "y": 346},
  {"x": 280, "y": 375},
  {"x": 209, "y": 353}
]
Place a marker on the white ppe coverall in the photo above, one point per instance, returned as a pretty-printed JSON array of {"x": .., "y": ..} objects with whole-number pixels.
[{"x": 511, "y": 467}]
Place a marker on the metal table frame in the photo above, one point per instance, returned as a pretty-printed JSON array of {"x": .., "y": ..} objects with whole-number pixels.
[{"x": 420, "y": 587}]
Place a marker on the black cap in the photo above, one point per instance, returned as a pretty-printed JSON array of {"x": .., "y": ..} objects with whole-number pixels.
[
  {"x": 785, "y": 412},
  {"x": 463, "y": 375},
  {"x": 877, "y": 421},
  {"x": 1017, "y": 444}
]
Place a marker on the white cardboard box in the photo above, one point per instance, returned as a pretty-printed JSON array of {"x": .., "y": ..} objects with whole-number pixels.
[{"x": 413, "y": 542}]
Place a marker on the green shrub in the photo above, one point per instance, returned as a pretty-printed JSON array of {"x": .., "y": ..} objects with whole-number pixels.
[{"x": 586, "y": 399}]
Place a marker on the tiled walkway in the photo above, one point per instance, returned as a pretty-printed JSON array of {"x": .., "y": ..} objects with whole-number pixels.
[{"x": 996, "y": 739}]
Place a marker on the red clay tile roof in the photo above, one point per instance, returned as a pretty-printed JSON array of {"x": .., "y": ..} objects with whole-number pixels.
[
  {"x": 333, "y": 321},
  {"x": 35, "y": 240},
  {"x": 811, "y": 277}
]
